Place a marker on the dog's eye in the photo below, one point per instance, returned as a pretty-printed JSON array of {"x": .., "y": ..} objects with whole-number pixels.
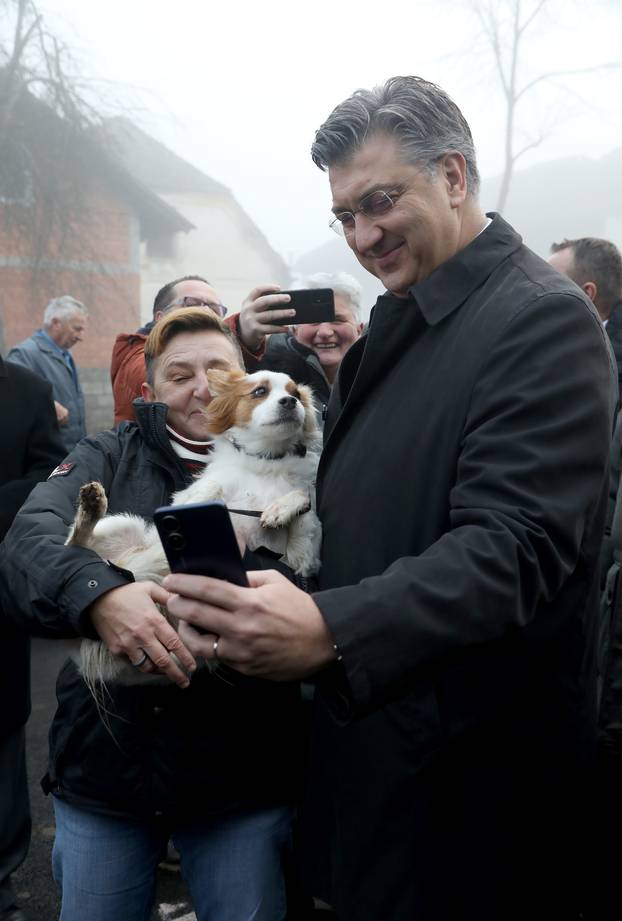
[
  {"x": 259, "y": 392},
  {"x": 296, "y": 394}
]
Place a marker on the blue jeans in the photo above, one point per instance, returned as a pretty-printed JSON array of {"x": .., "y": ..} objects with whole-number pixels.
[{"x": 233, "y": 864}]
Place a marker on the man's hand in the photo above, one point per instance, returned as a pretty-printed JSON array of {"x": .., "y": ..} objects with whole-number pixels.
[
  {"x": 271, "y": 630},
  {"x": 129, "y": 623},
  {"x": 62, "y": 413},
  {"x": 262, "y": 313}
]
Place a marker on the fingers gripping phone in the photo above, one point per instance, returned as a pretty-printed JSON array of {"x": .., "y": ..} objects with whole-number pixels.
[
  {"x": 312, "y": 305},
  {"x": 199, "y": 540}
]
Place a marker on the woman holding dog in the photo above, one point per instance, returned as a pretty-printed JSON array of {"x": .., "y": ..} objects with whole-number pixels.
[{"x": 213, "y": 765}]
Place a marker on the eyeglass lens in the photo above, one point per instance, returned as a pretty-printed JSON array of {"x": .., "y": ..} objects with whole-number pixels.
[{"x": 372, "y": 205}]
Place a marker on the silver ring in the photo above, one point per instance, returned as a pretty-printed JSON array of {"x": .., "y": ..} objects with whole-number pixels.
[
  {"x": 144, "y": 658},
  {"x": 216, "y": 642}
]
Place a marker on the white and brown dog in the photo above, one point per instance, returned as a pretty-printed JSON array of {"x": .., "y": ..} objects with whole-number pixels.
[{"x": 264, "y": 459}]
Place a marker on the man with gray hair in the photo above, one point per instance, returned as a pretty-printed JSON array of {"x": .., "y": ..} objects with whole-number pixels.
[
  {"x": 48, "y": 353},
  {"x": 462, "y": 494}
]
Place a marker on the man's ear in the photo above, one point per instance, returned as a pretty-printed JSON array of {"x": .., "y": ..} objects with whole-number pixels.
[
  {"x": 591, "y": 289},
  {"x": 453, "y": 173},
  {"x": 147, "y": 393},
  {"x": 360, "y": 327}
]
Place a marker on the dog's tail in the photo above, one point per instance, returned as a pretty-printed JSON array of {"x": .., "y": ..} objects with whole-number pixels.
[{"x": 92, "y": 506}]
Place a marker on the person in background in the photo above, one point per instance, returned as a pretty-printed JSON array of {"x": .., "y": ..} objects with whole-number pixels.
[
  {"x": 462, "y": 492},
  {"x": 595, "y": 265},
  {"x": 48, "y": 353},
  {"x": 312, "y": 352},
  {"x": 127, "y": 367},
  {"x": 30, "y": 449}
]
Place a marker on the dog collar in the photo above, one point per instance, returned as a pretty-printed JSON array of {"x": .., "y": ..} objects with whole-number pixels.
[{"x": 299, "y": 450}]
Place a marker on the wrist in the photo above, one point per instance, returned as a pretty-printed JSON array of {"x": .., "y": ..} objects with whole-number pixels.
[{"x": 249, "y": 339}]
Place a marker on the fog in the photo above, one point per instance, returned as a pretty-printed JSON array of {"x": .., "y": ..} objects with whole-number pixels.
[{"x": 239, "y": 89}]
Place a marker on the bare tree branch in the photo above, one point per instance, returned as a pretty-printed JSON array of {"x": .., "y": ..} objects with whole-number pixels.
[
  {"x": 534, "y": 15},
  {"x": 503, "y": 25},
  {"x": 552, "y": 74}
]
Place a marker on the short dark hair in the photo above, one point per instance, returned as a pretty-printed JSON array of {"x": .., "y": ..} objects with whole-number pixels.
[
  {"x": 598, "y": 261},
  {"x": 426, "y": 122},
  {"x": 165, "y": 295},
  {"x": 184, "y": 320}
]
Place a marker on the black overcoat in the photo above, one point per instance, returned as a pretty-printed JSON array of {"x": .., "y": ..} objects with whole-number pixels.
[
  {"x": 30, "y": 448},
  {"x": 462, "y": 491}
]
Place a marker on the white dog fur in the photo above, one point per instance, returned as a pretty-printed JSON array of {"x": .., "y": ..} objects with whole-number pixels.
[{"x": 264, "y": 459}]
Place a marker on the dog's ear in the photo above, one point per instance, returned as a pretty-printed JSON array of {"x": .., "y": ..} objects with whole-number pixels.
[
  {"x": 310, "y": 427},
  {"x": 220, "y": 381},
  {"x": 224, "y": 388}
]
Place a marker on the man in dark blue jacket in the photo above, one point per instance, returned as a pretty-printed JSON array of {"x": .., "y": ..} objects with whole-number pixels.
[{"x": 48, "y": 353}]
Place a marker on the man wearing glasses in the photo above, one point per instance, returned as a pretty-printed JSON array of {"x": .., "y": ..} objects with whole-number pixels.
[
  {"x": 462, "y": 492},
  {"x": 127, "y": 369}
]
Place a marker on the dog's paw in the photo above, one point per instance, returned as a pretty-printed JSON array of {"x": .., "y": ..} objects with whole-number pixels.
[
  {"x": 93, "y": 500},
  {"x": 283, "y": 511}
]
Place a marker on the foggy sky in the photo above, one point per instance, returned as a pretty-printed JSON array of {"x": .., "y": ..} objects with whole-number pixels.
[{"x": 238, "y": 89}]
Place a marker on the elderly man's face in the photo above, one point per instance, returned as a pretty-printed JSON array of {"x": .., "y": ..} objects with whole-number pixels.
[
  {"x": 66, "y": 333},
  {"x": 410, "y": 240},
  {"x": 180, "y": 379},
  {"x": 331, "y": 341}
]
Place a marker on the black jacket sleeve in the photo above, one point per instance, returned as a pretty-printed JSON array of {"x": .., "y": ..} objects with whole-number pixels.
[
  {"x": 40, "y": 446},
  {"x": 45, "y": 586}
]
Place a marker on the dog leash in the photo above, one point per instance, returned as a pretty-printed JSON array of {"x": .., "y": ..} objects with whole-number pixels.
[{"x": 253, "y": 514}]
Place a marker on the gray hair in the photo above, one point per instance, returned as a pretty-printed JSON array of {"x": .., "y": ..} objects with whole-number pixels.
[
  {"x": 61, "y": 308},
  {"x": 342, "y": 284},
  {"x": 426, "y": 122}
]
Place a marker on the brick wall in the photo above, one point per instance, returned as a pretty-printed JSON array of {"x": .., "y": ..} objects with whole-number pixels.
[{"x": 98, "y": 262}]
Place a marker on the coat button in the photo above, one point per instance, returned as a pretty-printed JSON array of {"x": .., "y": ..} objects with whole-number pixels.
[
  {"x": 157, "y": 711},
  {"x": 92, "y": 583}
]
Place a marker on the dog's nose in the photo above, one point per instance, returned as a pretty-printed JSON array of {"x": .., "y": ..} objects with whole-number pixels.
[{"x": 288, "y": 401}]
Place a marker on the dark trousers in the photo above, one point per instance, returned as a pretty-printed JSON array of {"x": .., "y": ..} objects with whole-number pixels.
[{"x": 14, "y": 811}]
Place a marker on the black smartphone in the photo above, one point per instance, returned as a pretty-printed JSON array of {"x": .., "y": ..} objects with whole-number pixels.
[
  {"x": 199, "y": 539},
  {"x": 312, "y": 305}
]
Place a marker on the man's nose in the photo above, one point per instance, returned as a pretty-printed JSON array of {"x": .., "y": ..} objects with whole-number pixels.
[
  {"x": 325, "y": 331},
  {"x": 366, "y": 234}
]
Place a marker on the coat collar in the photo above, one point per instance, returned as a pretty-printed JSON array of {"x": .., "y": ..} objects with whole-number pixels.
[
  {"x": 395, "y": 322},
  {"x": 455, "y": 280}
]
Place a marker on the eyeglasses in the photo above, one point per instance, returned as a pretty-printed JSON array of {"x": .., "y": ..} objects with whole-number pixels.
[
  {"x": 373, "y": 205},
  {"x": 187, "y": 301}
]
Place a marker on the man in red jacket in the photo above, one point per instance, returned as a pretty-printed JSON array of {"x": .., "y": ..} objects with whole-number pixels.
[{"x": 127, "y": 368}]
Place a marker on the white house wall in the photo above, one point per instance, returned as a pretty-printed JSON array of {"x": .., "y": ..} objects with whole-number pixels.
[{"x": 226, "y": 248}]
